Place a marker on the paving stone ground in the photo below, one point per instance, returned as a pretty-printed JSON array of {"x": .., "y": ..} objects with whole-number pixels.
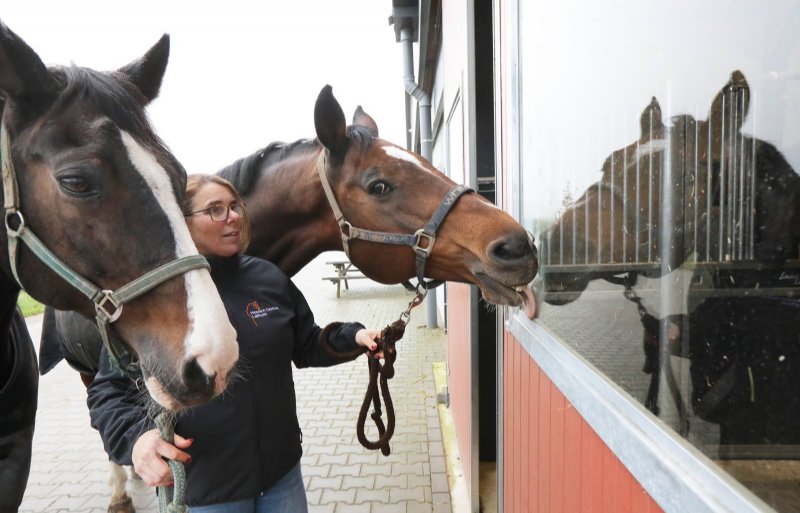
[{"x": 70, "y": 469}]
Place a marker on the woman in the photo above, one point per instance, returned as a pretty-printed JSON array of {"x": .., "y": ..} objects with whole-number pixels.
[{"x": 243, "y": 448}]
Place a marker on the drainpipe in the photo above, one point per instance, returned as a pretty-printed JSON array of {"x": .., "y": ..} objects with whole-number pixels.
[{"x": 424, "y": 105}]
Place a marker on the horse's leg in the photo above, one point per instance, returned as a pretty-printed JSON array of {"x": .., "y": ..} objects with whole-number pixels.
[
  {"x": 117, "y": 478},
  {"x": 120, "y": 501}
]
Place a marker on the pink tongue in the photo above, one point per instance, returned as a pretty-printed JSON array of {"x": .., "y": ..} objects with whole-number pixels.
[{"x": 530, "y": 304}]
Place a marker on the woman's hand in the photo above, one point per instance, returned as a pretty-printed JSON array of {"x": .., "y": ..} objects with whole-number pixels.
[
  {"x": 366, "y": 338},
  {"x": 148, "y": 453}
]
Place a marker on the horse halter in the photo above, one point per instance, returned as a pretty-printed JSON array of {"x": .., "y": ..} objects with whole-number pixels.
[
  {"x": 427, "y": 233},
  {"x": 101, "y": 298}
]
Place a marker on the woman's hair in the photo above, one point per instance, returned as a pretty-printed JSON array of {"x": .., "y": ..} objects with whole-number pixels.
[{"x": 196, "y": 182}]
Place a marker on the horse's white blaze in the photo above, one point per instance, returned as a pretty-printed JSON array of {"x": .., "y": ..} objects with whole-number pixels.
[
  {"x": 399, "y": 153},
  {"x": 211, "y": 338},
  {"x": 651, "y": 147}
]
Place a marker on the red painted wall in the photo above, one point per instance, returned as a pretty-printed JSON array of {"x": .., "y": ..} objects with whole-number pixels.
[
  {"x": 553, "y": 461},
  {"x": 459, "y": 365}
]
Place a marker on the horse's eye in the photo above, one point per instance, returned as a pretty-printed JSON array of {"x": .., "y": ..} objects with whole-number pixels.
[
  {"x": 379, "y": 188},
  {"x": 74, "y": 185}
]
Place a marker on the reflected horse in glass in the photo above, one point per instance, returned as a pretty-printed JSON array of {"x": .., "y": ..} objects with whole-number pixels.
[
  {"x": 703, "y": 195},
  {"x": 697, "y": 189}
]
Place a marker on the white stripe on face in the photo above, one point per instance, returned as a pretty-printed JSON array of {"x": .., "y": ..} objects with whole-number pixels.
[
  {"x": 211, "y": 338},
  {"x": 651, "y": 147},
  {"x": 400, "y": 153}
]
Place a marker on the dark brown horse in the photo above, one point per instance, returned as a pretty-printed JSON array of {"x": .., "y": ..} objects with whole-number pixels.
[
  {"x": 380, "y": 187},
  {"x": 86, "y": 177}
]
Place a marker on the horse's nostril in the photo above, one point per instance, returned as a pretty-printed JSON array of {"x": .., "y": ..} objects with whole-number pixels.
[
  {"x": 194, "y": 377},
  {"x": 512, "y": 249}
]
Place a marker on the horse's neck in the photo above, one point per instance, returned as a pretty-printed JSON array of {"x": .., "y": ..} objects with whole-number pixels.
[{"x": 291, "y": 220}]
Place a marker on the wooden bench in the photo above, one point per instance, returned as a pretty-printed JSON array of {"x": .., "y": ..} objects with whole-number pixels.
[{"x": 345, "y": 271}]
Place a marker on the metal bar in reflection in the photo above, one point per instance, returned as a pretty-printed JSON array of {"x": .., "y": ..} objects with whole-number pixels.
[
  {"x": 650, "y": 195},
  {"x": 586, "y": 227},
  {"x": 722, "y": 181},
  {"x": 695, "y": 186},
  {"x": 732, "y": 169},
  {"x": 742, "y": 178},
  {"x": 611, "y": 231},
  {"x": 624, "y": 213},
  {"x": 599, "y": 222},
  {"x": 638, "y": 213},
  {"x": 709, "y": 190},
  {"x": 753, "y": 190}
]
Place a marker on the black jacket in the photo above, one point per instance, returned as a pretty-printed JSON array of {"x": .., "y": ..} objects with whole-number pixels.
[
  {"x": 249, "y": 437},
  {"x": 18, "y": 396}
]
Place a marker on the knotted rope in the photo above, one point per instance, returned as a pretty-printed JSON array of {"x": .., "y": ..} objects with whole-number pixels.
[
  {"x": 386, "y": 344},
  {"x": 375, "y": 390}
]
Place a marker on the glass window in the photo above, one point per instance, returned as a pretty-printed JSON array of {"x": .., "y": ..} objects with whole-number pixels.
[{"x": 660, "y": 157}]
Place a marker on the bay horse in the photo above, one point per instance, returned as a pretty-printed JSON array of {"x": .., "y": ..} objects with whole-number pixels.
[
  {"x": 382, "y": 189},
  {"x": 703, "y": 194},
  {"x": 91, "y": 200}
]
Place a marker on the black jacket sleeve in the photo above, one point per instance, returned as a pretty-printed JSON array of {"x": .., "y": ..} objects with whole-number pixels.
[
  {"x": 117, "y": 410},
  {"x": 308, "y": 352}
]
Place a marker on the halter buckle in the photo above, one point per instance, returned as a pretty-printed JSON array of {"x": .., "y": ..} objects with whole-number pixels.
[
  {"x": 345, "y": 227},
  {"x": 420, "y": 234},
  {"x": 12, "y": 232},
  {"x": 100, "y": 306}
]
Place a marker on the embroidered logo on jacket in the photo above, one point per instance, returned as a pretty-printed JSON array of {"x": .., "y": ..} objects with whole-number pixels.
[{"x": 255, "y": 312}]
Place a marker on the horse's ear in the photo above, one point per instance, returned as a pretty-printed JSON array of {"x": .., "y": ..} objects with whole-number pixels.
[
  {"x": 361, "y": 118},
  {"x": 23, "y": 75},
  {"x": 147, "y": 72},
  {"x": 329, "y": 122},
  {"x": 733, "y": 95},
  {"x": 651, "y": 117}
]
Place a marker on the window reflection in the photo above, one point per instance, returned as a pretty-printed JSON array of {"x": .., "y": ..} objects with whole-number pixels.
[{"x": 696, "y": 224}]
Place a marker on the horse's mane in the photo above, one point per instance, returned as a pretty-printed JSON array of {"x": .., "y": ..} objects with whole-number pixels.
[{"x": 244, "y": 172}]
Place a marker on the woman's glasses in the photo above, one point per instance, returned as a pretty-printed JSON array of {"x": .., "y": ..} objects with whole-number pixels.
[{"x": 220, "y": 212}]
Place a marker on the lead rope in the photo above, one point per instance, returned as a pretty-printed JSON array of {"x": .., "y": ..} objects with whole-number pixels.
[
  {"x": 383, "y": 372},
  {"x": 386, "y": 344},
  {"x": 389, "y": 336},
  {"x": 171, "y": 499},
  {"x": 655, "y": 355}
]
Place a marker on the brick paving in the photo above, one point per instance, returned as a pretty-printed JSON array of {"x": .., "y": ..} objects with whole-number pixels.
[{"x": 70, "y": 469}]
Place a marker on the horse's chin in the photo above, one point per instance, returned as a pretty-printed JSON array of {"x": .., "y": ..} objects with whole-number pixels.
[
  {"x": 159, "y": 395},
  {"x": 499, "y": 293},
  {"x": 558, "y": 296},
  {"x": 174, "y": 400}
]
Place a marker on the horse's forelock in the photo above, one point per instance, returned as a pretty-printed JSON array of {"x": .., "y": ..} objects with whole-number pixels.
[
  {"x": 361, "y": 135},
  {"x": 111, "y": 95}
]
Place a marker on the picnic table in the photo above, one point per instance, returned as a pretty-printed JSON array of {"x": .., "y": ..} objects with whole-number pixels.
[{"x": 345, "y": 270}]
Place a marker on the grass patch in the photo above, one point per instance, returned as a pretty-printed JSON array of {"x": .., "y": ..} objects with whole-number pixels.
[{"x": 28, "y": 305}]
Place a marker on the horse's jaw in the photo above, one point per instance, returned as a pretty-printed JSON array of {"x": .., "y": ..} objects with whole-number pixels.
[{"x": 499, "y": 293}]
